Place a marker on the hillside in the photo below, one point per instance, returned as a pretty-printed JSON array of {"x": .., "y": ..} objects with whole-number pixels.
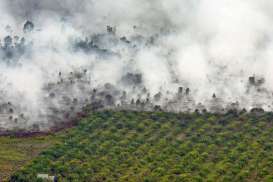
[{"x": 143, "y": 146}]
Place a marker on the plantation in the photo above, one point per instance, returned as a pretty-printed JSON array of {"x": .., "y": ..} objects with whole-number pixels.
[{"x": 144, "y": 146}]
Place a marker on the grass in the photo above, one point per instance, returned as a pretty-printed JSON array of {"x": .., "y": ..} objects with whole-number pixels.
[{"x": 17, "y": 152}]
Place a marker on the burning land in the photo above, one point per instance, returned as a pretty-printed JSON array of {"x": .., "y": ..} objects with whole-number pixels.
[
  {"x": 63, "y": 96},
  {"x": 160, "y": 90}
]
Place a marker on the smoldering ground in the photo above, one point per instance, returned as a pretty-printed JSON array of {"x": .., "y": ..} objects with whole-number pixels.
[{"x": 59, "y": 57}]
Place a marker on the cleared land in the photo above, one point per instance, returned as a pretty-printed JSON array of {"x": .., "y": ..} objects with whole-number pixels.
[{"x": 16, "y": 152}]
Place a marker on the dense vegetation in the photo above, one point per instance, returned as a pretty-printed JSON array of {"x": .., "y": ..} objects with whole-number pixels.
[{"x": 131, "y": 146}]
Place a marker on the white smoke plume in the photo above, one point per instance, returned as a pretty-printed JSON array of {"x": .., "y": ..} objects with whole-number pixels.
[{"x": 220, "y": 49}]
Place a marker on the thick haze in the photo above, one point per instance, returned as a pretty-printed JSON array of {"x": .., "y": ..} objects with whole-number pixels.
[{"x": 210, "y": 46}]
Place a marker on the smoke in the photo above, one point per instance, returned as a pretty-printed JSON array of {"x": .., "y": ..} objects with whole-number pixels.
[{"x": 106, "y": 54}]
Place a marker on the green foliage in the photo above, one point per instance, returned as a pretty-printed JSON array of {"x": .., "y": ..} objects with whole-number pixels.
[{"x": 143, "y": 146}]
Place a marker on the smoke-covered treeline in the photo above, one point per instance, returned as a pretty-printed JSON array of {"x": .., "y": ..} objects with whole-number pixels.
[{"x": 178, "y": 55}]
